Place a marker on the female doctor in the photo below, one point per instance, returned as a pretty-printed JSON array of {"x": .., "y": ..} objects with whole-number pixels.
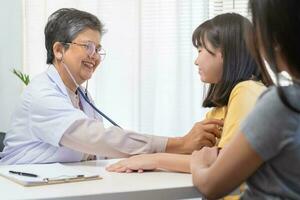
[{"x": 54, "y": 121}]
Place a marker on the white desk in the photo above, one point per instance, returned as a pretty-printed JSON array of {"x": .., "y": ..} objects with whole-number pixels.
[{"x": 149, "y": 185}]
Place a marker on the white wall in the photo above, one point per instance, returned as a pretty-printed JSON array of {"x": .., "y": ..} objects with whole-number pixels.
[{"x": 10, "y": 57}]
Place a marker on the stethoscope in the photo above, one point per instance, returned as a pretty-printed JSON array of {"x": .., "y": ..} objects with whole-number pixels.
[{"x": 86, "y": 98}]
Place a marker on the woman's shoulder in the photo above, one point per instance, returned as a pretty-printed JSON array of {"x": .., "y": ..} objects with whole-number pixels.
[
  {"x": 40, "y": 87},
  {"x": 270, "y": 97}
]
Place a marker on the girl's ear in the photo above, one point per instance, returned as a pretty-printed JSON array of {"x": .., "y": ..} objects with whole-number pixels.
[{"x": 219, "y": 53}]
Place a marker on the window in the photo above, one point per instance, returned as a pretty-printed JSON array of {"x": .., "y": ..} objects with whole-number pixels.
[{"x": 223, "y": 6}]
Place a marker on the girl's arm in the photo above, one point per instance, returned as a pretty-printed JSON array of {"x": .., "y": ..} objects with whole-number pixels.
[
  {"x": 216, "y": 176},
  {"x": 172, "y": 162}
]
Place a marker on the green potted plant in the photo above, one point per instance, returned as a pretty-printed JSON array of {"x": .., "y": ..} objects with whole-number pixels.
[{"x": 22, "y": 76}]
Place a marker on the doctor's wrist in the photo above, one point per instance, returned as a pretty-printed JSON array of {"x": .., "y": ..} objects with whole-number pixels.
[{"x": 176, "y": 145}]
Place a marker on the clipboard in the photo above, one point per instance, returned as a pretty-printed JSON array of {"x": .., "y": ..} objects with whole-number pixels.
[{"x": 54, "y": 173}]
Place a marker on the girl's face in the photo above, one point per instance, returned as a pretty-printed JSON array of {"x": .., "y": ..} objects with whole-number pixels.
[{"x": 210, "y": 66}]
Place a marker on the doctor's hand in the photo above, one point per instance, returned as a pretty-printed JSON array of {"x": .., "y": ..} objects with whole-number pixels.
[
  {"x": 202, "y": 134},
  {"x": 137, "y": 163}
]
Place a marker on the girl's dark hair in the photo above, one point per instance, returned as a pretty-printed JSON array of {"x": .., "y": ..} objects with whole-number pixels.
[
  {"x": 229, "y": 32},
  {"x": 277, "y": 24},
  {"x": 65, "y": 24}
]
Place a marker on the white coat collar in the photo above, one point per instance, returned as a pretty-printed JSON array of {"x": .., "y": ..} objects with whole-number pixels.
[{"x": 55, "y": 77}]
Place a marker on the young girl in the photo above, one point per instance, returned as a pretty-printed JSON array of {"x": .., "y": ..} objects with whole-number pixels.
[
  {"x": 224, "y": 62},
  {"x": 268, "y": 142}
]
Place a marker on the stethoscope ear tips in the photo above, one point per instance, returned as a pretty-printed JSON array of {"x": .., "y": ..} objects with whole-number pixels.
[{"x": 59, "y": 56}]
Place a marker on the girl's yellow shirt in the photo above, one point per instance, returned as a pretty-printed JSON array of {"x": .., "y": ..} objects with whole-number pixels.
[{"x": 241, "y": 100}]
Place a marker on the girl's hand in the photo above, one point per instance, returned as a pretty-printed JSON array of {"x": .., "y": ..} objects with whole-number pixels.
[
  {"x": 204, "y": 158},
  {"x": 137, "y": 163}
]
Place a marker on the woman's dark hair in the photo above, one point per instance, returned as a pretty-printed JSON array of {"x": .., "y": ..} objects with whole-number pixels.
[
  {"x": 228, "y": 32},
  {"x": 277, "y": 24},
  {"x": 65, "y": 24}
]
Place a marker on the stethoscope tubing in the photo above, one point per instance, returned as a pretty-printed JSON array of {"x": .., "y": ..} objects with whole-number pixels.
[{"x": 85, "y": 97}]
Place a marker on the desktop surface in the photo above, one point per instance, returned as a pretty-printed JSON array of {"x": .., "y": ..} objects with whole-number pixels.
[{"x": 147, "y": 185}]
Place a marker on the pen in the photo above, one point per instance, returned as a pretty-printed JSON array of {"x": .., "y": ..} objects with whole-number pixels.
[{"x": 23, "y": 173}]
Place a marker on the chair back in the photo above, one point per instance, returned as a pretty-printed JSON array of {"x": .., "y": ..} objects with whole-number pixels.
[{"x": 2, "y": 136}]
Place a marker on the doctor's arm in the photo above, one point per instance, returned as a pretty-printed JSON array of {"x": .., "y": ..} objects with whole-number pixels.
[
  {"x": 202, "y": 134},
  {"x": 90, "y": 136},
  {"x": 216, "y": 175}
]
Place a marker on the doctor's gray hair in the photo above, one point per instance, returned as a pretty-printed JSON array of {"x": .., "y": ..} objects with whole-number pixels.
[{"x": 65, "y": 24}]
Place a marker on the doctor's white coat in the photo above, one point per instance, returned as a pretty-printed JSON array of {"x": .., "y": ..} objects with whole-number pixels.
[{"x": 45, "y": 113}]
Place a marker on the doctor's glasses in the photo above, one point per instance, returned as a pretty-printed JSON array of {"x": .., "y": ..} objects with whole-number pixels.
[{"x": 90, "y": 48}]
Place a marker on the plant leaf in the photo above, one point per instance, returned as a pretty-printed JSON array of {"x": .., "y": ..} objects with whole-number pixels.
[{"x": 23, "y": 77}]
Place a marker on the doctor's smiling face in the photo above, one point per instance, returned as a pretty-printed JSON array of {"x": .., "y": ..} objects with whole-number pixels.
[
  {"x": 82, "y": 55},
  {"x": 72, "y": 39}
]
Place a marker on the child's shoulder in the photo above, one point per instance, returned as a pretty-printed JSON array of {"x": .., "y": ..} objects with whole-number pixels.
[
  {"x": 250, "y": 84},
  {"x": 249, "y": 87}
]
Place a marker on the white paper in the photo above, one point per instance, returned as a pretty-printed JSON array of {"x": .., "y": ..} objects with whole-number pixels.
[{"x": 55, "y": 171}]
